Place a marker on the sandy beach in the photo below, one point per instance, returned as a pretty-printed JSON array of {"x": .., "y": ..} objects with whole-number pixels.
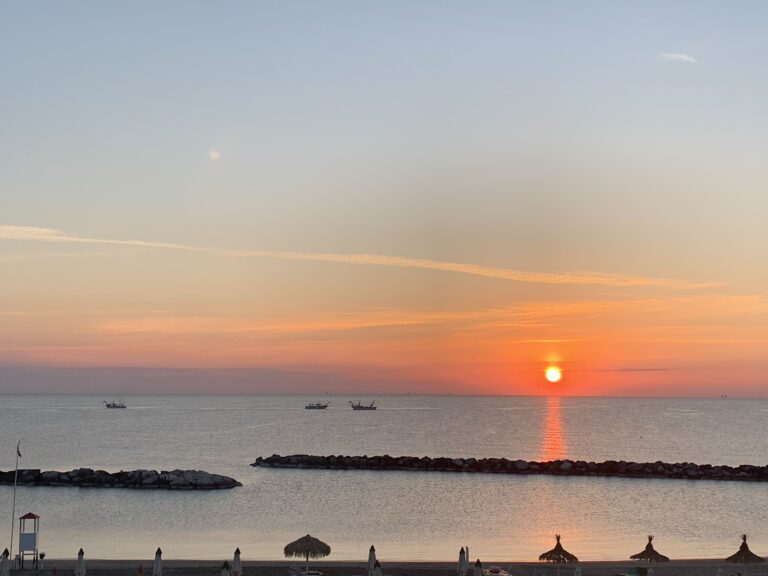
[{"x": 330, "y": 568}]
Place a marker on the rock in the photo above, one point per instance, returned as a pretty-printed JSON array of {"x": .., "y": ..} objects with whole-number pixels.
[{"x": 144, "y": 479}]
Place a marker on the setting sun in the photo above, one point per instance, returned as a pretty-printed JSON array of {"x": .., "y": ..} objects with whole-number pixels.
[{"x": 553, "y": 374}]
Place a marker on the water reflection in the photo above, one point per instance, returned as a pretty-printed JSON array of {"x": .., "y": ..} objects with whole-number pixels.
[{"x": 553, "y": 443}]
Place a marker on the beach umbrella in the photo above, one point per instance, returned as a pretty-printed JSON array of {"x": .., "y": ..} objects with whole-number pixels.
[
  {"x": 462, "y": 570},
  {"x": 377, "y": 569},
  {"x": 650, "y": 553},
  {"x": 744, "y": 555},
  {"x": 371, "y": 560},
  {"x": 80, "y": 565},
  {"x": 478, "y": 568},
  {"x": 558, "y": 555},
  {"x": 307, "y": 547},
  {"x": 5, "y": 569},
  {"x": 157, "y": 566},
  {"x": 237, "y": 568},
  {"x": 225, "y": 569}
]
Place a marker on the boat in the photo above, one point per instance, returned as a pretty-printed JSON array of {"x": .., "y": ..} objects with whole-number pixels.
[
  {"x": 316, "y": 406},
  {"x": 114, "y": 404},
  {"x": 361, "y": 406}
]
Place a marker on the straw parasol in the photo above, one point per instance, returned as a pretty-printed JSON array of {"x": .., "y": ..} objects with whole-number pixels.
[
  {"x": 5, "y": 569},
  {"x": 558, "y": 555},
  {"x": 377, "y": 569},
  {"x": 225, "y": 569},
  {"x": 237, "y": 567},
  {"x": 307, "y": 547},
  {"x": 649, "y": 553},
  {"x": 371, "y": 560},
  {"x": 157, "y": 566},
  {"x": 80, "y": 565},
  {"x": 744, "y": 555},
  {"x": 478, "y": 568}
]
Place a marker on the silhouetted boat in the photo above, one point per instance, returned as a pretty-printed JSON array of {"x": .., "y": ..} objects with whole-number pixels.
[
  {"x": 316, "y": 406},
  {"x": 361, "y": 406},
  {"x": 114, "y": 404}
]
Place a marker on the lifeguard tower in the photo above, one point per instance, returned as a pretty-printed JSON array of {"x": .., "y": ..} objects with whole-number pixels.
[{"x": 29, "y": 540}]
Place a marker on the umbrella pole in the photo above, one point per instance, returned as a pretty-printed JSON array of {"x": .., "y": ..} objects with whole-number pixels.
[{"x": 306, "y": 571}]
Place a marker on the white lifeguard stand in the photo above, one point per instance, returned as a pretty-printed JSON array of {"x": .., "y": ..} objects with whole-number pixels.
[{"x": 29, "y": 540}]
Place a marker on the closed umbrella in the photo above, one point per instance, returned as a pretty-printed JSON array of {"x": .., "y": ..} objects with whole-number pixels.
[
  {"x": 5, "y": 569},
  {"x": 157, "y": 566},
  {"x": 371, "y": 560},
  {"x": 225, "y": 569},
  {"x": 650, "y": 553},
  {"x": 237, "y": 568},
  {"x": 462, "y": 570},
  {"x": 377, "y": 569},
  {"x": 478, "y": 568},
  {"x": 80, "y": 565},
  {"x": 307, "y": 547}
]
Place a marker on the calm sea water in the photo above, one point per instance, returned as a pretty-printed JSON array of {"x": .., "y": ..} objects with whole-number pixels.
[{"x": 418, "y": 516}]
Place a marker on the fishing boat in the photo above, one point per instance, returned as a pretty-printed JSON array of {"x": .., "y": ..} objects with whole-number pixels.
[
  {"x": 316, "y": 406},
  {"x": 361, "y": 406},
  {"x": 114, "y": 404}
]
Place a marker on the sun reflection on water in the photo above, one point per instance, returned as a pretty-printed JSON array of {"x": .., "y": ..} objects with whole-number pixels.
[{"x": 553, "y": 442}]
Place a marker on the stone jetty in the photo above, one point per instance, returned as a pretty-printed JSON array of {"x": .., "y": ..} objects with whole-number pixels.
[
  {"x": 136, "y": 479},
  {"x": 609, "y": 468}
]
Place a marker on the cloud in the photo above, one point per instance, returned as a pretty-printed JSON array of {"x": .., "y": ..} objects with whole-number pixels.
[
  {"x": 678, "y": 57},
  {"x": 27, "y": 233}
]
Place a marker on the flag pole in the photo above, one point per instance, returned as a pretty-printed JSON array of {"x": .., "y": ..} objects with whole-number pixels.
[{"x": 13, "y": 513}]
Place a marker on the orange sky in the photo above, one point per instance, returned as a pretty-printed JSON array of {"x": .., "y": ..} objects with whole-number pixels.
[{"x": 426, "y": 200}]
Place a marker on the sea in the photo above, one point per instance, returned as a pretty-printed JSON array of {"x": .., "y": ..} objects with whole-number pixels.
[{"x": 406, "y": 515}]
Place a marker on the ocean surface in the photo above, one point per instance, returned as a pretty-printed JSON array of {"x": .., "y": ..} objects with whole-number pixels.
[{"x": 407, "y": 515}]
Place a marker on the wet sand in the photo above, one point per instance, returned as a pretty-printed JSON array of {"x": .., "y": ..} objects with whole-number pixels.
[{"x": 330, "y": 568}]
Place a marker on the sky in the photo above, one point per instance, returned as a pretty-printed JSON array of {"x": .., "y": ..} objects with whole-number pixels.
[{"x": 384, "y": 197}]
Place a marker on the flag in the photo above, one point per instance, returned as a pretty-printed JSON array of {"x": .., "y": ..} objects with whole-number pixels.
[{"x": 18, "y": 452}]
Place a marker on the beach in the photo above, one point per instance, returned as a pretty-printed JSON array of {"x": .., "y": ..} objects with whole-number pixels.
[{"x": 330, "y": 568}]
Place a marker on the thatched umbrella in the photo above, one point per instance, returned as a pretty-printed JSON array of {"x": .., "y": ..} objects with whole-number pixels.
[
  {"x": 744, "y": 555},
  {"x": 558, "y": 555},
  {"x": 307, "y": 547},
  {"x": 650, "y": 553}
]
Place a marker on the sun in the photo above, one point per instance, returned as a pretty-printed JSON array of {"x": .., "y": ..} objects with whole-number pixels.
[{"x": 553, "y": 374}]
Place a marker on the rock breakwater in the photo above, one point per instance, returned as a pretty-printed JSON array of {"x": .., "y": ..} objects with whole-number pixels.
[
  {"x": 609, "y": 468},
  {"x": 136, "y": 479}
]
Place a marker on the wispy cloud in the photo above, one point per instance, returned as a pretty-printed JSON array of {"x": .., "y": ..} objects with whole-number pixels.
[
  {"x": 27, "y": 233},
  {"x": 678, "y": 57}
]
